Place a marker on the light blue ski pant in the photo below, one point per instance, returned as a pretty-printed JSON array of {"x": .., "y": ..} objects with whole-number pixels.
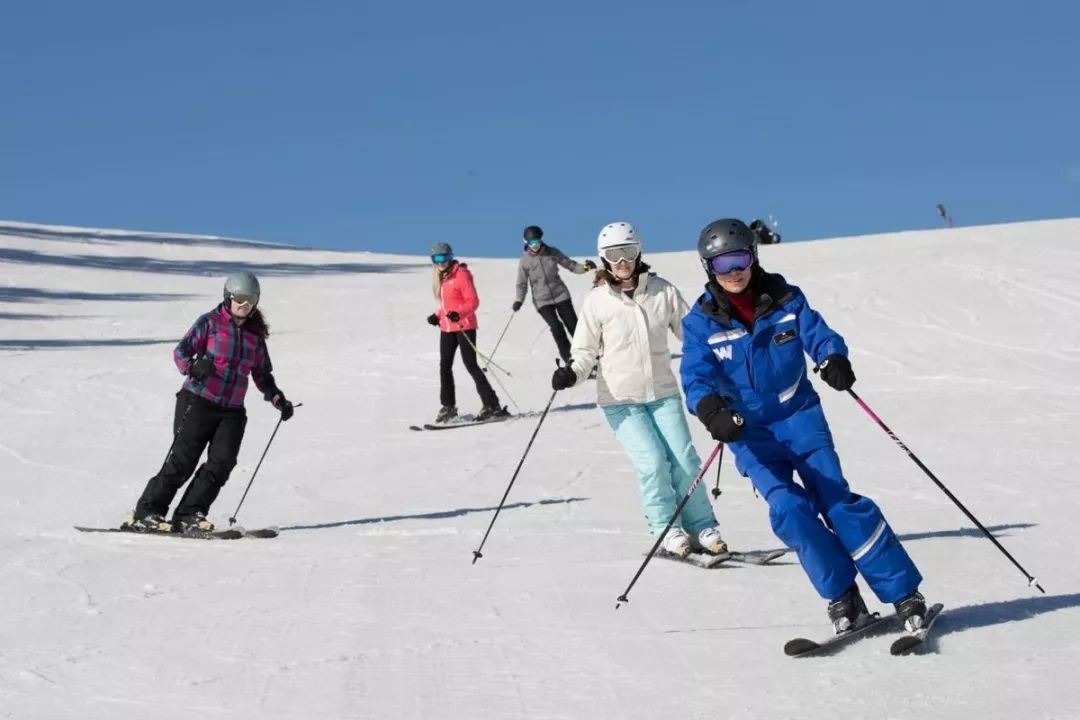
[{"x": 657, "y": 439}]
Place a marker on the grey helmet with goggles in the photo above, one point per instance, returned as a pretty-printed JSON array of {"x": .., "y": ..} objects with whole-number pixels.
[
  {"x": 243, "y": 287},
  {"x": 726, "y": 245},
  {"x": 441, "y": 252},
  {"x": 618, "y": 241}
]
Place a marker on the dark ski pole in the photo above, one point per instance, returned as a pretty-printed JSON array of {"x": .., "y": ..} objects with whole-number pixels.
[
  {"x": 716, "y": 491},
  {"x": 505, "y": 328},
  {"x": 176, "y": 435},
  {"x": 476, "y": 553},
  {"x": 1031, "y": 580},
  {"x": 686, "y": 498},
  {"x": 232, "y": 519}
]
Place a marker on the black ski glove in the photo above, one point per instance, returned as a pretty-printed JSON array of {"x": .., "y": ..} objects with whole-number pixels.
[
  {"x": 433, "y": 319},
  {"x": 564, "y": 377},
  {"x": 453, "y": 316},
  {"x": 283, "y": 405},
  {"x": 724, "y": 424},
  {"x": 202, "y": 368},
  {"x": 516, "y": 306},
  {"x": 836, "y": 370},
  {"x": 588, "y": 265}
]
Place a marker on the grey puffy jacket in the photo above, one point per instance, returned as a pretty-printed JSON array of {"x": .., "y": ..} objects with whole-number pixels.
[{"x": 541, "y": 271}]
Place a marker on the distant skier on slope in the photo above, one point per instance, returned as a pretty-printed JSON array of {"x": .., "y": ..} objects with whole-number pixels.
[
  {"x": 629, "y": 315},
  {"x": 455, "y": 293},
  {"x": 217, "y": 354},
  {"x": 744, "y": 375},
  {"x": 539, "y": 269}
]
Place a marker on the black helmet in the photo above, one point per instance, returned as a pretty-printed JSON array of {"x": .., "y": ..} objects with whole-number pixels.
[
  {"x": 533, "y": 232},
  {"x": 724, "y": 236}
]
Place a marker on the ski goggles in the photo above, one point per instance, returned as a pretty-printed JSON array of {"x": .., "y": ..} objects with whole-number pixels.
[
  {"x": 533, "y": 242},
  {"x": 244, "y": 298},
  {"x": 737, "y": 260},
  {"x": 621, "y": 253},
  {"x": 439, "y": 258}
]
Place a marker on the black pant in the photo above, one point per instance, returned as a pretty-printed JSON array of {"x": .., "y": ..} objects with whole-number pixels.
[
  {"x": 448, "y": 345},
  {"x": 196, "y": 423},
  {"x": 565, "y": 311}
]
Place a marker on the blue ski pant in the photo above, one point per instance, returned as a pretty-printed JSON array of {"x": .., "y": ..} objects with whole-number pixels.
[
  {"x": 657, "y": 439},
  {"x": 834, "y": 531}
]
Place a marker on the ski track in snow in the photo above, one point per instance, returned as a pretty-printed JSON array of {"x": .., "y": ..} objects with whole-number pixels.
[{"x": 369, "y": 605}]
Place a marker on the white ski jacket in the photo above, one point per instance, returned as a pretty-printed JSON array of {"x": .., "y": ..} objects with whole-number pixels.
[{"x": 626, "y": 340}]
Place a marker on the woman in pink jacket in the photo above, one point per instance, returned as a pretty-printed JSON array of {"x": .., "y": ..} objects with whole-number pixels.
[{"x": 456, "y": 295}]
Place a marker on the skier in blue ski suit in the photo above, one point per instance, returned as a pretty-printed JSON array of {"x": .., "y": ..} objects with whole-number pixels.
[{"x": 744, "y": 375}]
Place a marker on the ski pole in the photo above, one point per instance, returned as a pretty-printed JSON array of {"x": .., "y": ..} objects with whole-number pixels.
[
  {"x": 497, "y": 380},
  {"x": 716, "y": 492},
  {"x": 482, "y": 356},
  {"x": 232, "y": 519},
  {"x": 476, "y": 553},
  {"x": 686, "y": 498},
  {"x": 505, "y": 328},
  {"x": 1031, "y": 580},
  {"x": 176, "y": 435}
]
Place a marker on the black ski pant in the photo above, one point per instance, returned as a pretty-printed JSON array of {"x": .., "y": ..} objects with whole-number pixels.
[
  {"x": 449, "y": 342},
  {"x": 553, "y": 314},
  {"x": 196, "y": 423}
]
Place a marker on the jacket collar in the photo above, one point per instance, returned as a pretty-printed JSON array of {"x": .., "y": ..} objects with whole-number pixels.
[{"x": 770, "y": 291}]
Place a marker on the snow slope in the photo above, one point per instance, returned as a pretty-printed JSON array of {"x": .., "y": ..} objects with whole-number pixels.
[{"x": 367, "y": 606}]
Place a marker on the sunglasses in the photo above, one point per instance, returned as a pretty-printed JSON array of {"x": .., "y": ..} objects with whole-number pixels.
[
  {"x": 621, "y": 253},
  {"x": 731, "y": 262},
  {"x": 244, "y": 298},
  {"x": 439, "y": 258}
]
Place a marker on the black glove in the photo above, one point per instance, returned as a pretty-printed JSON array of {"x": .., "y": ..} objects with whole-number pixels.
[
  {"x": 284, "y": 406},
  {"x": 724, "y": 424},
  {"x": 564, "y": 377},
  {"x": 453, "y": 316},
  {"x": 202, "y": 368},
  {"x": 433, "y": 319},
  {"x": 836, "y": 370},
  {"x": 516, "y": 306},
  {"x": 588, "y": 265}
]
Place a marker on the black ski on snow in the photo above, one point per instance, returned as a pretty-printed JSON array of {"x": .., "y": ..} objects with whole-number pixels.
[
  {"x": 709, "y": 561},
  {"x": 461, "y": 423},
  {"x": 909, "y": 642},
  {"x": 229, "y": 534},
  {"x": 803, "y": 647}
]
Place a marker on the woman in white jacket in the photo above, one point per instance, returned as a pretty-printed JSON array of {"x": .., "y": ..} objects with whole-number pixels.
[{"x": 622, "y": 333}]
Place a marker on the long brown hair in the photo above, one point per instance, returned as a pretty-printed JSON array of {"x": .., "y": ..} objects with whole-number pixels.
[{"x": 256, "y": 323}]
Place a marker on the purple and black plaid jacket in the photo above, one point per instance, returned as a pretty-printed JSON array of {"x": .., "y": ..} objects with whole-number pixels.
[{"x": 236, "y": 352}]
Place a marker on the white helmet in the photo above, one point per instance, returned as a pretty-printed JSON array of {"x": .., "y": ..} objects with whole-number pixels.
[{"x": 615, "y": 234}]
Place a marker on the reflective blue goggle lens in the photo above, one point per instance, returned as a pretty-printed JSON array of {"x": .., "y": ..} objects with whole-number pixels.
[
  {"x": 731, "y": 262},
  {"x": 441, "y": 258},
  {"x": 533, "y": 242}
]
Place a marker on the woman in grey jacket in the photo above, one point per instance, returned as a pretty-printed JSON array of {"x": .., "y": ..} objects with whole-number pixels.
[{"x": 539, "y": 268}]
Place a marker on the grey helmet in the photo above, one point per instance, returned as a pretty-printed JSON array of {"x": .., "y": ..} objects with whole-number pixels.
[
  {"x": 724, "y": 236},
  {"x": 441, "y": 248},
  {"x": 242, "y": 283}
]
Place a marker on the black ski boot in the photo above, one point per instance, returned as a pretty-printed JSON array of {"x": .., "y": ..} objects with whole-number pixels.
[
  {"x": 446, "y": 414},
  {"x": 912, "y": 611},
  {"x": 196, "y": 523},
  {"x": 847, "y": 611},
  {"x": 152, "y": 523},
  {"x": 490, "y": 412}
]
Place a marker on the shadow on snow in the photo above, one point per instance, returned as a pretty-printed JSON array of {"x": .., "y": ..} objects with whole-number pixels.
[
  {"x": 438, "y": 515},
  {"x": 16, "y": 294},
  {"x": 53, "y": 343}
]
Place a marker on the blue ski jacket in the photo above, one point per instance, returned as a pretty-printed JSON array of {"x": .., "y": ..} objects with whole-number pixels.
[{"x": 760, "y": 371}]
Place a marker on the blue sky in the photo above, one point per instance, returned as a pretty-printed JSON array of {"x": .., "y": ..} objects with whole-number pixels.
[{"x": 390, "y": 126}]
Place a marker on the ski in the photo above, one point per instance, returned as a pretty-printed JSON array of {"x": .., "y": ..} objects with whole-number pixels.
[
  {"x": 229, "y": 534},
  {"x": 910, "y": 642},
  {"x": 461, "y": 423},
  {"x": 757, "y": 557},
  {"x": 803, "y": 647},
  {"x": 697, "y": 559}
]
